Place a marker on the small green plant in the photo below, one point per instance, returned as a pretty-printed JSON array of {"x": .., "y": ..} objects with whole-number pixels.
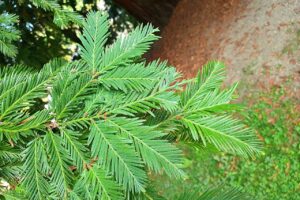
[{"x": 93, "y": 128}]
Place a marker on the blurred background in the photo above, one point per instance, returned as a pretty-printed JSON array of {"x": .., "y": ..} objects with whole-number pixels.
[{"x": 258, "y": 40}]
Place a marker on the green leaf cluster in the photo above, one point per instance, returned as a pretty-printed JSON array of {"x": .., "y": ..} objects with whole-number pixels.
[{"x": 96, "y": 128}]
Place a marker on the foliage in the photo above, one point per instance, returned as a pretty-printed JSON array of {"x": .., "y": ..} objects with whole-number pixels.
[
  {"x": 104, "y": 123},
  {"x": 47, "y": 29},
  {"x": 8, "y": 34},
  {"x": 218, "y": 193},
  {"x": 275, "y": 116}
]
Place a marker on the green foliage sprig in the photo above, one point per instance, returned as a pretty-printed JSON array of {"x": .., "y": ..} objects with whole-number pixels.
[
  {"x": 62, "y": 17},
  {"x": 109, "y": 119},
  {"x": 8, "y": 34}
]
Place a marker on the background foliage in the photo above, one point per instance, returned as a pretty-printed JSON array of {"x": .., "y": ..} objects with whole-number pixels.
[{"x": 46, "y": 32}]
